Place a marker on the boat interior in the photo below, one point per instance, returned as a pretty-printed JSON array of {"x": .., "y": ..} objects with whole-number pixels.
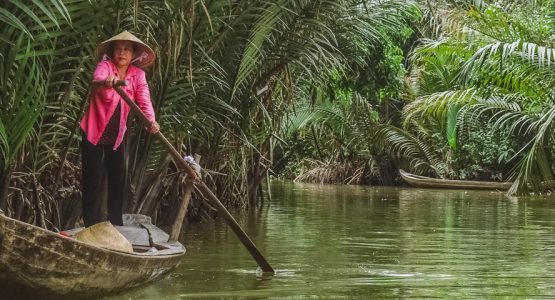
[{"x": 145, "y": 238}]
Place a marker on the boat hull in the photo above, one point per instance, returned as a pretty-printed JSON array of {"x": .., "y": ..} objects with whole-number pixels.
[{"x": 35, "y": 259}]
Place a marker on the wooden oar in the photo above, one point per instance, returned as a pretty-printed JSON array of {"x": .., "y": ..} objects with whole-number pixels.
[{"x": 180, "y": 162}]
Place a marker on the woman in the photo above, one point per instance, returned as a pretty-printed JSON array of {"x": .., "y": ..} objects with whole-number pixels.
[{"x": 104, "y": 123}]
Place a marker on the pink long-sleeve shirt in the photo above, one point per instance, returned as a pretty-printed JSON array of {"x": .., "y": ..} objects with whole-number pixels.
[{"x": 103, "y": 101}]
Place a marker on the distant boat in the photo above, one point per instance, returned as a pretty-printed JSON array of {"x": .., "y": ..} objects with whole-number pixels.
[
  {"x": 428, "y": 182},
  {"x": 43, "y": 263}
]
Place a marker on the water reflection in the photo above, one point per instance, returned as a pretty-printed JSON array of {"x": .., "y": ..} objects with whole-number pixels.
[{"x": 361, "y": 242}]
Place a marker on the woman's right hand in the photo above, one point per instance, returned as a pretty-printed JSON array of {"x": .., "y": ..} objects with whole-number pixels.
[{"x": 154, "y": 127}]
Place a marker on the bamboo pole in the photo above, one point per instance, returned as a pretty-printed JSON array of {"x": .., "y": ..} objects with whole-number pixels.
[
  {"x": 178, "y": 223},
  {"x": 206, "y": 192}
]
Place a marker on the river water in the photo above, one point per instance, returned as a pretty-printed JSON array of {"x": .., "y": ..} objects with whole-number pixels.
[{"x": 348, "y": 242}]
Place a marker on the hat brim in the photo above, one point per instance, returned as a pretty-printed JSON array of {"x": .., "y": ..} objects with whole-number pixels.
[{"x": 143, "y": 57}]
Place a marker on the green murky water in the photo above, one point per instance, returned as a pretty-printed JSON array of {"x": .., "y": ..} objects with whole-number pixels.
[{"x": 365, "y": 242}]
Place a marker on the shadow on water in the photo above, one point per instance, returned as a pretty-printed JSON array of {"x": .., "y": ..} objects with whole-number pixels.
[{"x": 360, "y": 242}]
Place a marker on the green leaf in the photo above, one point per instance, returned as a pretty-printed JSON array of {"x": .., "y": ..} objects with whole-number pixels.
[{"x": 451, "y": 131}]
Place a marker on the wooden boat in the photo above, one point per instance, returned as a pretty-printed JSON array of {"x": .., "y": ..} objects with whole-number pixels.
[
  {"x": 428, "y": 182},
  {"x": 36, "y": 261}
]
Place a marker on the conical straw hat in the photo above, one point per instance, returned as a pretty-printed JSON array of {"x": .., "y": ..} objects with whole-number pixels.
[
  {"x": 104, "y": 235},
  {"x": 144, "y": 56}
]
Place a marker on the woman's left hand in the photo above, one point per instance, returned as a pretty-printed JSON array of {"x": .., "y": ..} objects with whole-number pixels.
[{"x": 154, "y": 128}]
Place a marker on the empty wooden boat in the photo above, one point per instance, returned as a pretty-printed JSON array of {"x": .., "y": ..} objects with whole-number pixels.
[{"x": 428, "y": 182}]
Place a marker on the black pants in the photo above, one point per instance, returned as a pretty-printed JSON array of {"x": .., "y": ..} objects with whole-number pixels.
[{"x": 96, "y": 160}]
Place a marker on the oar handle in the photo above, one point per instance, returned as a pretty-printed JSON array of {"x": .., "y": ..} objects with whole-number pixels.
[
  {"x": 105, "y": 83},
  {"x": 206, "y": 192}
]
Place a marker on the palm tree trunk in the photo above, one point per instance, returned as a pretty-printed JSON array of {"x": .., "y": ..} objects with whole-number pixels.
[
  {"x": 256, "y": 175},
  {"x": 5, "y": 178}
]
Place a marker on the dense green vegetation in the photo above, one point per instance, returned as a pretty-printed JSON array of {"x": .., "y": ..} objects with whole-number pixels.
[
  {"x": 329, "y": 91},
  {"x": 477, "y": 101},
  {"x": 481, "y": 93}
]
